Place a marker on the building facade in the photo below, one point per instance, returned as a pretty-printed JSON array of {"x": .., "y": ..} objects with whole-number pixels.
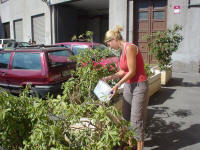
[{"x": 51, "y": 21}]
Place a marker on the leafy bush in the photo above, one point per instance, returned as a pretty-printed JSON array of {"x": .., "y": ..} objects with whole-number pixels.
[
  {"x": 18, "y": 117},
  {"x": 88, "y": 71},
  {"x": 87, "y": 36},
  {"x": 31, "y": 123},
  {"x": 163, "y": 44}
]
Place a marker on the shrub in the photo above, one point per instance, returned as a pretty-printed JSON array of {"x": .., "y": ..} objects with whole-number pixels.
[
  {"x": 163, "y": 44},
  {"x": 148, "y": 71},
  {"x": 31, "y": 123}
]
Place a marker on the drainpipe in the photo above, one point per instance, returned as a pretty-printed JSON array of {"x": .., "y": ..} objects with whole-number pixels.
[
  {"x": 51, "y": 28},
  {"x": 127, "y": 21},
  {"x": 193, "y": 5}
]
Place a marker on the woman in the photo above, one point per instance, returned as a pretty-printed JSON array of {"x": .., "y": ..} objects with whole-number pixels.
[{"x": 132, "y": 73}]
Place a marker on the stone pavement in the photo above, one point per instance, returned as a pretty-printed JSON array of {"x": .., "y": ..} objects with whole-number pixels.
[{"x": 173, "y": 121}]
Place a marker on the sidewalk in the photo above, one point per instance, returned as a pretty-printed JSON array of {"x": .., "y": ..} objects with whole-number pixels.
[{"x": 173, "y": 121}]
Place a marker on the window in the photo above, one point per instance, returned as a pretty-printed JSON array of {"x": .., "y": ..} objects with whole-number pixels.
[
  {"x": 68, "y": 46},
  {"x": 4, "y": 60},
  {"x": 100, "y": 47},
  {"x": 9, "y": 43},
  {"x": 59, "y": 58},
  {"x": 30, "y": 61},
  {"x": 76, "y": 49},
  {"x": 158, "y": 15},
  {"x": 143, "y": 16},
  {"x": 65, "y": 53}
]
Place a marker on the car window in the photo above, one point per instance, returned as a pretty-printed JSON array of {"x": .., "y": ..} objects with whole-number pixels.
[
  {"x": 76, "y": 49},
  {"x": 100, "y": 47},
  {"x": 4, "y": 60},
  {"x": 11, "y": 44},
  {"x": 68, "y": 46},
  {"x": 66, "y": 53},
  {"x": 109, "y": 52},
  {"x": 30, "y": 61},
  {"x": 6, "y": 41},
  {"x": 23, "y": 44},
  {"x": 58, "y": 58}
]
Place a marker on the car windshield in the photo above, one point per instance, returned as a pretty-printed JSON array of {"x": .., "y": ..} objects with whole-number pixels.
[{"x": 59, "y": 58}]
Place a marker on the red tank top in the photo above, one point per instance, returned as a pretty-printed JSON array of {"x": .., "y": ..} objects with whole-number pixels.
[{"x": 140, "y": 75}]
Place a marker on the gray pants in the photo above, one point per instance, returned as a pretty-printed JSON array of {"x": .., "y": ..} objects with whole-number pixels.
[{"x": 134, "y": 107}]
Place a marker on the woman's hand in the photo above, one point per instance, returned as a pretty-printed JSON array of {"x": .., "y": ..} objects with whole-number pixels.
[{"x": 114, "y": 89}]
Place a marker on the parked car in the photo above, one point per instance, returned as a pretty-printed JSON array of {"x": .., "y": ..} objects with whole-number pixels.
[
  {"x": 13, "y": 45},
  {"x": 77, "y": 47},
  {"x": 4, "y": 42},
  {"x": 44, "y": 68}
]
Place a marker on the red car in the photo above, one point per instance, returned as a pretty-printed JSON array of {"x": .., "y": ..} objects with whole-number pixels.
[
  {"x": 45, "y": 68},
  {"x": 77, "y": 47}
]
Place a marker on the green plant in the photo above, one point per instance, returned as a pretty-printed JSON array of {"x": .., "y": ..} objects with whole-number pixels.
[
  {"x": 163, "y": 44},
  {"x": 18, "y": 116},
  {"x": 87, "y": 36},
  {"x": 148, "y": 71},
  {"x": 88, "y": 71},
  {"x": 31, "y": 123}
]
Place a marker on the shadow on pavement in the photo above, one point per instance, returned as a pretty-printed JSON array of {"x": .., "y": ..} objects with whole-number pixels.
[
  {"x": 179, "y": 82},
  {"x": 174, "y": 82},
  {"x": 161, "y": 96},
  {"x": 162, "y": 135}
]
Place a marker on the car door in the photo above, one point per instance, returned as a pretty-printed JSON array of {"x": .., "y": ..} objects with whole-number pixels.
[
  {"x": 26, "y": 68},
  {"x": 4, "y": 68}
]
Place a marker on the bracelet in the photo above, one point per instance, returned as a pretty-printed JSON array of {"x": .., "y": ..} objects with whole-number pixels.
[{"x": 118, "y": 85}]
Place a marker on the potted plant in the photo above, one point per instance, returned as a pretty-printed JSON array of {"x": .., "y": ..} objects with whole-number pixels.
[{"x": 162, "y": 45}]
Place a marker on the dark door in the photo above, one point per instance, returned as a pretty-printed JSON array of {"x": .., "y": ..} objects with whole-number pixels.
[
  {"x": 150, "y": 17},
  {"x": 7, "y": 29}
]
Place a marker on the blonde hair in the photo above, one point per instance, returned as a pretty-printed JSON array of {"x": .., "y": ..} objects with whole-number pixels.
[{"x": 114, "y": 34}]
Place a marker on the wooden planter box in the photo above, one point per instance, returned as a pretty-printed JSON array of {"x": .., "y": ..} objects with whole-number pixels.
[
  {"x": 165, "y": 75},
  {"x": 154, "y": 85}
]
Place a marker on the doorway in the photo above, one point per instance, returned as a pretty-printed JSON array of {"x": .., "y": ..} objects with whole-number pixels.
[{"x": 150, "y": 17}]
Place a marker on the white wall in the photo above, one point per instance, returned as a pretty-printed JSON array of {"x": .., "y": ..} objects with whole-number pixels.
[
  {"x": 187, "y": 58},
  {"x": 118, "y": 15},
  {"x": 24, "y": 9}
]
